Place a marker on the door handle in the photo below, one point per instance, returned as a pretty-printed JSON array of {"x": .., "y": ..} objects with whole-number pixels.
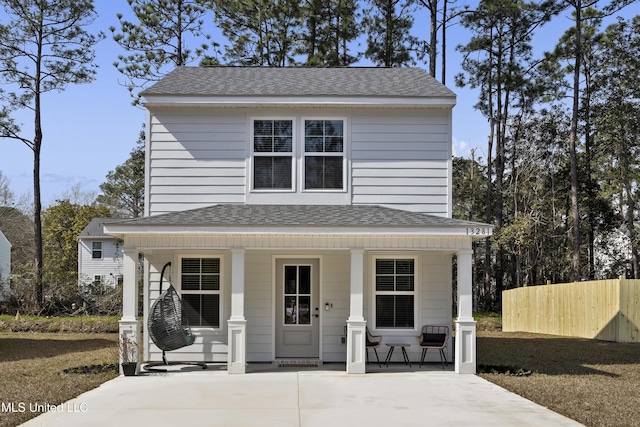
[{"x": 316, "y": 315}]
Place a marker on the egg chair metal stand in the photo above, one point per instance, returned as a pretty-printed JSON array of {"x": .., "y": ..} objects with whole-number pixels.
[{"x": 168, "y": 326}]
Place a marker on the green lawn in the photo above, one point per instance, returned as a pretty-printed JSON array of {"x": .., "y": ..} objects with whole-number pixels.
[{"x": 31, "y": 365}]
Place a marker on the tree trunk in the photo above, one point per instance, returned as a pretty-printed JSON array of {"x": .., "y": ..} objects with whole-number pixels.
[
  {"x": 629, "y": 216},
  {"x": 489, "y": 210},
  {"x": 590, "y": 188},
  {"x": 575, "y": 210},
  {"x": 433, "y": 36},
  {"x": 37, "y": 209},
  {"x": 37, "y": 202},
  {"x": 489, "y": 215},
  {"x": 443, "y": 66}
]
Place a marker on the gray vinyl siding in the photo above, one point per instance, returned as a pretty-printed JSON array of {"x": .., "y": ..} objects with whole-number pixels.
[
  {"x": 335, "y": 290},
  {"x": 399, "y": 158},
  {"x": 196, "y": 159},
  {"x": 258, "y": 306},
  {"x": 436, "y": 299},
  {"x": 402, "y": 160}
]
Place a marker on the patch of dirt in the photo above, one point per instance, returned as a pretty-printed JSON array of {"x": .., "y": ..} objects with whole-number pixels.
[
  {"x": 92, "y": 369},
  {"x": 512, "y": 371}
]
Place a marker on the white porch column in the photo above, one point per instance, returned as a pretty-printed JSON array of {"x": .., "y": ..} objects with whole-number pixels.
[
  {"x": 129, "y": 325},
  {"x": 237, "y": 324},
  {"x": 465, "y": 357},
  {"x": 356, "y": 325}
]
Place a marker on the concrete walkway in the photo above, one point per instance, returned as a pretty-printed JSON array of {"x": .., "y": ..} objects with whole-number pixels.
[{"x": 302, "y": 397}]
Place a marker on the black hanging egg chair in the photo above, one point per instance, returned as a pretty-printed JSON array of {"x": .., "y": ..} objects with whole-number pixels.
[{"x": 168, "y": 325}]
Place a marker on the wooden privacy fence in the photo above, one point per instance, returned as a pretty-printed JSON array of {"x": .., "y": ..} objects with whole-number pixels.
[{"x": 602, "y": 309}]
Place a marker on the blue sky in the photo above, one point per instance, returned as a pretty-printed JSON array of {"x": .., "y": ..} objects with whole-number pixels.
[{"x": 90, "y": 129}]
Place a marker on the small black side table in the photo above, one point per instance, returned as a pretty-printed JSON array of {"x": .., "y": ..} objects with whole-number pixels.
[{"x": 404, "y": 352}]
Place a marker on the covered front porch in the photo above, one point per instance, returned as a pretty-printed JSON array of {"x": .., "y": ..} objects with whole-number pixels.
[{"x": 344, "y": 261}]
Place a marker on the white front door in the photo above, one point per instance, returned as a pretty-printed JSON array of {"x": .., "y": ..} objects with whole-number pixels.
[{"x": 297, "y": 308}]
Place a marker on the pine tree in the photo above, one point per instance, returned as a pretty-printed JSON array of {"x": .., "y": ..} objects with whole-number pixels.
[
  {"x": 123, "y": 191},
  {"x": 330, "y": 25},
  {"x": 501, "y": 48},
  {"x": 389, "y": 41},
  {"x": 261, "y": 32},
  {"x": 43, "y": 47},
  {"x": 157, "y": 42}
]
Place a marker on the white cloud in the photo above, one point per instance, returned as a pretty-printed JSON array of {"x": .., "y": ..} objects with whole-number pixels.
[{"x": 460, "y": 148}]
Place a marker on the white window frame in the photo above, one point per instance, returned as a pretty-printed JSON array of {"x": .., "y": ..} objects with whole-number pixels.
[
  {"x": 101, "y": 250},
  {"x": 416, "y": 291},
  {"x": 253, "y": 154},
  {"x": 304, "y": 155},
  {"x": 201, "y": 292}
]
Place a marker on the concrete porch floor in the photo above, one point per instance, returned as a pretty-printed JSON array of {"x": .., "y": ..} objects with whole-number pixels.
[{"x": 324, "y": 396}]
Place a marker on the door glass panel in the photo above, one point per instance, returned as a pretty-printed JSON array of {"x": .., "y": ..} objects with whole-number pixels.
[
  {"x": 297, "y": 295},
  {"x": 290, "y": 282},
  {"x": 290, "y": 310},
  {"x": 305, "y": 310},
  {"x": 305, "y": 279}
]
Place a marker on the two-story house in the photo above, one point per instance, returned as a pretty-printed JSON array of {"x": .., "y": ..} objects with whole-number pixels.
[
  {"x": 99, "y": 256},
  {"x": 294, "y": 201}
]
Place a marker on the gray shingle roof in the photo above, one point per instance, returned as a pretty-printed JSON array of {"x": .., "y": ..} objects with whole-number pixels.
[
  {"x": 95, "y": 229},
  {"x": 298, "y": 216},
  {"x": 299, "y": 81}
]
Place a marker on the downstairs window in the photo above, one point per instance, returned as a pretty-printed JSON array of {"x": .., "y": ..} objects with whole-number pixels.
[
  {"x": 200, "y": 281},
  {"x": 395, "y": 293}
]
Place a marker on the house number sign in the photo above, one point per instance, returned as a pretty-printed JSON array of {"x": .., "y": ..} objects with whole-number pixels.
[{"x": 478, "y": 231}]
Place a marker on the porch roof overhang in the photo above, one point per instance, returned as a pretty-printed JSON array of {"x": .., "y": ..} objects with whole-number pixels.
[{"x": 281, "y": 222}]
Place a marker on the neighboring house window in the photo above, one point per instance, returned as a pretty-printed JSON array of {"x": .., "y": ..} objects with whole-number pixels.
[
  {"x": 200, "y": 284},
  {"x": 96, "y": 250},
  {"x": 395, "y": 293},
  {"x": 272, "y": 154},
  {"x": 323, "y": 154},
  {"x": 97, "y": 280}
]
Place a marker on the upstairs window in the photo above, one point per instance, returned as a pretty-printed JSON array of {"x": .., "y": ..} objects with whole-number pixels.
[
  {"x": 96, "y": 250},
  {"x": 323, "y": 155},
  {"x": 272, "y": 154}
]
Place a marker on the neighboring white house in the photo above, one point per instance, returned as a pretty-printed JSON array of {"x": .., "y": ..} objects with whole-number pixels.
[
  {"x": 5, "y": 266},
  {"x": 291, "y": 202},
  {"x": 99, "y": 255}
]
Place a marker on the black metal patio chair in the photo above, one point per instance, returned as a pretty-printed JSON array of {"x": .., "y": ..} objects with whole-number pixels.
[{"x": 435, "y": 337}]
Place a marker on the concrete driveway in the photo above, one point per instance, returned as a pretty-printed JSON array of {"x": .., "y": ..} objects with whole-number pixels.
[{"x": 325, "y": 396}]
